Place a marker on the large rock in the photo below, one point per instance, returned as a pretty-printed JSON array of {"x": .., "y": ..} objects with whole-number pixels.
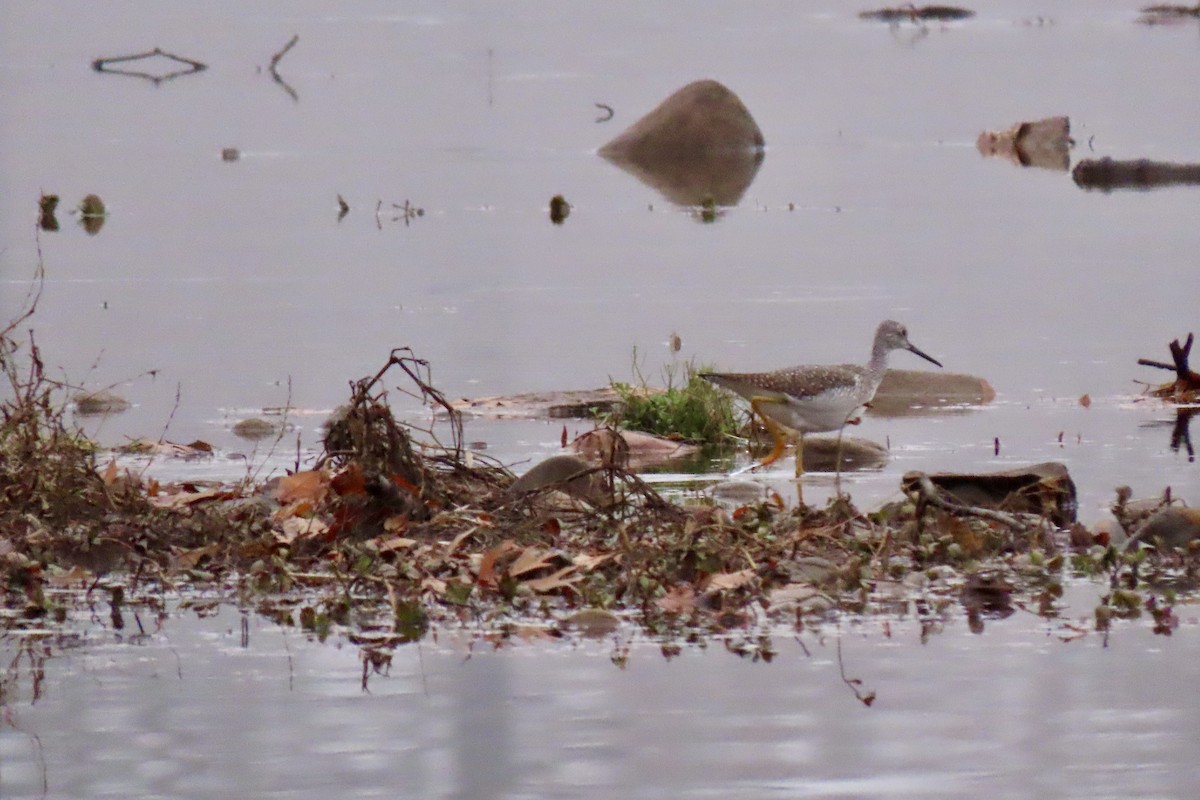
[
  {"x": 700, "y": 145},
  {"x": 1045, "y": 489}
]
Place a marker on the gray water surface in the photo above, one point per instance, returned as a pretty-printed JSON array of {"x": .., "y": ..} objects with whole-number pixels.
[
  {"x": 1029, "y": 708},
  {"x": 238, "y": 287}
]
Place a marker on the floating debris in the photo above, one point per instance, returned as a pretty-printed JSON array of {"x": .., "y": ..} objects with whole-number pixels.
[
  {"x": 230, "y": 154},
  {"x": 343, "y": 208},
  {"x": 47, "y": 203},
  {"x": 560, "y": 209},
  {"x": 105, "y": 65},
  {"x": 92, "y": 214},
  {"x": 275, "y": 59},
  {"x": 608, "y": 111}
]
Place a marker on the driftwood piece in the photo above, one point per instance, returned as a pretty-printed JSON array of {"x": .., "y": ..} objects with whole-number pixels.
[{"x": 1186, "y": 386}]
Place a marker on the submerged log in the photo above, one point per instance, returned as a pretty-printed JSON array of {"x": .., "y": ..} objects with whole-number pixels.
[
  {"x": 700, "y": 145},
  {"x": 1106, "y": 174}
]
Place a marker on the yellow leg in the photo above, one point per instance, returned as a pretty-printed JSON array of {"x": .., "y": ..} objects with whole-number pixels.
[
  {"x": 799, "y": 455},
  {"x": 776, "y": 430}
]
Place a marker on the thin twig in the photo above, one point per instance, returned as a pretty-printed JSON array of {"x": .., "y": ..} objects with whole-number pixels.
[{"x": 275, "y": 63}]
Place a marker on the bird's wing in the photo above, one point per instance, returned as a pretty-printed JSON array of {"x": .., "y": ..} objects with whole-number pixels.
[{"x": 796, "y": 382}]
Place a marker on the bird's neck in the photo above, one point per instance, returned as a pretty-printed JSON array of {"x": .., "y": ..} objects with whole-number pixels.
[{"x": 877, "y": 365}]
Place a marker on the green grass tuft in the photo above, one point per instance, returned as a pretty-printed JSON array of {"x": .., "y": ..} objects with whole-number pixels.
[{"x": 692, "y": 409}]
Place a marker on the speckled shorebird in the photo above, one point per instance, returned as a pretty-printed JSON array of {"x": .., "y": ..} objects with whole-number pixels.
[{"x": 813, "y": 398}]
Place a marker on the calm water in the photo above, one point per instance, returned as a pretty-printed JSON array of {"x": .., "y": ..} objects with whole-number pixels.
[
  {"x": 234, "y": 281},
  {"x": 1017, "y": 712}
]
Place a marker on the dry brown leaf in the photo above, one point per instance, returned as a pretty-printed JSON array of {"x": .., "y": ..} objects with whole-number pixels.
[
  {"x": 729, "y": 580},
  {"x": 182, "y": 499},
  {"x": 487, "y": 564},
  {"x": 394, "y": 523},
  {"x": 350, "y": 481},
  {"x": 300, "y": 508},
  {"x": 310, "y": 485},
  {"x": 588, "y": 562},
  {"x": 459, "y": 539},
  {"x": 435, "y": 585},
  {"x": 559, "y": 580},
  {"x": 190, "y": 558},
  {"x": 110, "y": 473},
  {"x": 1085, "y": 401},
  {"x": 301, "y": 528},
  {"x": 678, "y": 600},
  {"x": 74, "y": 576},
  {"x": 394, "y": 543},
  {"x": 530, "y": 559}
]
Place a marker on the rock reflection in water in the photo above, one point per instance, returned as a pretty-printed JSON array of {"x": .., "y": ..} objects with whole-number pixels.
[
  {"x": 1042, "y": 143},
  {"x": 1107, "y": 174},
  {"x": 699, "y": 146}
]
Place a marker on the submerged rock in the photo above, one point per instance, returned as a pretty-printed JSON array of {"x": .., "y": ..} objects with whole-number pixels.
[
  {"x": 1045, "y": 489},
  {"x": 699, "y": 145},
  {"x": 100, "y": 402},
  {"x": 821, "y": 454},
  {"x": 566, "y": 473},
  {"x": 1172, "y": 527},
  {"x": 254, "y": 428},
  {"x": 630, "y": 449},
  {"x": 905, "y": 392}
]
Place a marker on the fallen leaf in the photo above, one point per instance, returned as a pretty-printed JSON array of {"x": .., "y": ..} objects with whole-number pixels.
[
  {"x": 188, "y": 559},
  {"x": 587, "y": 562},
  {"x": 678, "y": 600},
  {"x": 729, "y": 580},
  {"x": 1085, "y": 401},
  {"x": 301, "y": 528},
  {"x": 530, "y": 559},
  {"x": 183, "y": 499},
  {"x": 394, "y": 543},
  {"x": 309, "y": 485},
  {"x": 74, "y": 576},
  {"x": 110, "y": 473},
  {"x": 487, "y": 564},
  {"x": 559, "y": 580},
  {"x": 349, "y": 481}
]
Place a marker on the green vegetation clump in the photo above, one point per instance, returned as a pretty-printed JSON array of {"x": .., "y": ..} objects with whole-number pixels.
[{"x": 696, "y": 411}]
